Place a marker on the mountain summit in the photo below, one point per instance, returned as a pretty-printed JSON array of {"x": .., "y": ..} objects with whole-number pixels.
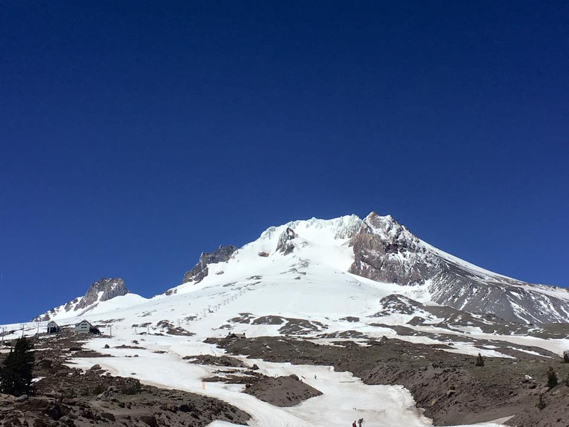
[{"x": 382, "y": 250}]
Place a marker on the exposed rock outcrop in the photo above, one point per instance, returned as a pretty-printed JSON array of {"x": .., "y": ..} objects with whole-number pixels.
[
  {"x": 399, "y": 304},
  {"x": 386, "y": 251},
  {"x": 102, "y": 290},
  {"x": 285, "y": 244},
  {"x": 200, "y": 270}
]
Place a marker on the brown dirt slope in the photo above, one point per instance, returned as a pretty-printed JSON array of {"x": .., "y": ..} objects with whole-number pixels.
[{"x": 282, "y": 391}]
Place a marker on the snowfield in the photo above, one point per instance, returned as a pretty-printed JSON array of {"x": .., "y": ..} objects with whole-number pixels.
[{"x": 345, "y": 398}]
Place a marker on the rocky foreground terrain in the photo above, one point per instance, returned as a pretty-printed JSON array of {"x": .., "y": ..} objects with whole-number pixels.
[
  {"x": 66, "y": 396},
  {"x": 450, "y": 388}
]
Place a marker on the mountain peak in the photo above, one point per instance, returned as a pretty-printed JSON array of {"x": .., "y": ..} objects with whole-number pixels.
[
  {"x": 103, "y": 289},
  {"x": 380, "y": 220}
]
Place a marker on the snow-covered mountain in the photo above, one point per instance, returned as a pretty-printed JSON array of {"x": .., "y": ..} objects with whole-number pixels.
[
  {"x": 380, "y": 249},
  {"x": 341, "y": 267},
  {"x": 102, "y": 290}
]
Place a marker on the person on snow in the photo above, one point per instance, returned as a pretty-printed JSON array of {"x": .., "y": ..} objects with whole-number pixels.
[
  {"x": 354, "y": 424},
  {"x": 360, "y": 422}
]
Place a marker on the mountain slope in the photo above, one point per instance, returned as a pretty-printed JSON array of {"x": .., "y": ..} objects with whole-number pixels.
[{"x": 386, "y": 251}]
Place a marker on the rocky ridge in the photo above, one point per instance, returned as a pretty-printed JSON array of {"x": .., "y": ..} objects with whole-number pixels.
[
  {"x": 386, "y": 251},
  {"x": 102, "y": 290},
  {"x": 200, "y": 270}
]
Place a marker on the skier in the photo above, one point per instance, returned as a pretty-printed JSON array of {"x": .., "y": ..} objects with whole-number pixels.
[
  {"x": 354, "y": 424},
  {"x": 360, "y": 422}
]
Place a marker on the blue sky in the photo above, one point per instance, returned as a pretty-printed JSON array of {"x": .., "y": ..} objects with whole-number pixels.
[{"x": 135, "y": 135}]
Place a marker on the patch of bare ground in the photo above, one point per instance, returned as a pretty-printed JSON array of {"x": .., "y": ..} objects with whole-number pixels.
[
  {"x": 170, "y": 329},
  {"x": 278, "y": 391},
  {"x": 290, "y": 326},
  {"x": 206, "y": 359},
  {"x": 282, "y": 391}
]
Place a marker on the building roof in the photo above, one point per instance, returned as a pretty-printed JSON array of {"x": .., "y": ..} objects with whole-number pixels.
[{"x": 84, "y": 321}]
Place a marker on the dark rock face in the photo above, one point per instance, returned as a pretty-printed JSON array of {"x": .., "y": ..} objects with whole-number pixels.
[
  {"x": 386, "y": 251},
  {"x": 285, "y": 244},
  {"x": 454, "y": 319},
  {"x": 101, "y": 290},
  {"x": 110, "y": 287},
  {"x": 200, "y": 270}
]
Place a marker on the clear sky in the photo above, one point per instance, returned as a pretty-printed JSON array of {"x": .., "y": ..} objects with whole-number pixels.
[{"x": 136, "y": 134}]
